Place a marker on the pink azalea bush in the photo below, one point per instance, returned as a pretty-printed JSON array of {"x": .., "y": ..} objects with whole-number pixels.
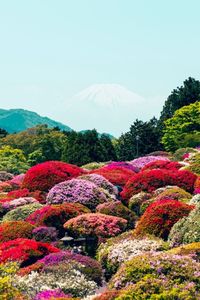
[
  {"x": 18, "y": 202},
  {"x": 95, "y": 224},
  {"x": 76, "y": 191},
  {"x": 144, "y": 160}
]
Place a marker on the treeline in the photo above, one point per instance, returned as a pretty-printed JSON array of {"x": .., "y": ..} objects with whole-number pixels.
[{"x": 178, "y": 126}]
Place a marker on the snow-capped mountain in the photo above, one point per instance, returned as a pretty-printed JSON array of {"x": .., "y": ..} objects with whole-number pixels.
[{"x": 107, "y": 107}]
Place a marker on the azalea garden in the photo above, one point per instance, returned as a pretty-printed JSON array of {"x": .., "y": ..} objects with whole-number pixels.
[
  {"x": 104, "y": 231},
  {"x": 89, "y": 217}
]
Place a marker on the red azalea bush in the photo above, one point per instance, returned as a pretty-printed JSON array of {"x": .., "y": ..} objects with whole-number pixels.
[
  {"x": 24, "y": 251},
  {"x": 15, "y": 229},
  {"x": 160, "y": 216},
  {"x": 45, "y": 175},
  {"x": 56, "y": 215},
  {"x": 116, "y": 175},
  {"x": 96, "y": 225},
  {"x": 38, "y": 195},
  {"x": 150, "y": 180},
  {"x": 162, "y": 164}
]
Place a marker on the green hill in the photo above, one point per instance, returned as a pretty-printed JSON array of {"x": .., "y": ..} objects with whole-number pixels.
[{"x": 16, "y": 120}]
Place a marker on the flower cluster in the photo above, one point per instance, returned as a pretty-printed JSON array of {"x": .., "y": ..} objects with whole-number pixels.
[
  {"x": 51, "y": 294},
  {"x": 15, "y": 229},
  {"x": 21, "y": 212},
  {"x": 116, "y": 208},
  {"x": 162, "y": 164},
  {"x": 122, "y": 164},
  {"x": 76, "y": 191},
  {"x": 45, "y": 234},
  {"x": 101, "y": 182},
  {"x": 141, "y": 162},
  {"x": 117, "y": 175},
  {"x": 24, "y": 251},
  {"x": 186, "y": 230},
  {"x": 95, "y": 224},
  {"x": 45, "y": 175},
  {"x": 56, "y": 215},
  {"x": 160, "y": 216},
  {"x": 174, "y": 193},
  {"x": 151, "y": 180}
]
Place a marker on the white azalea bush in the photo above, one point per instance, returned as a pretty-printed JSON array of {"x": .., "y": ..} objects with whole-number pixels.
[
  {"x": 68, "y": 277},
  {"x": 118, "y": 250}
]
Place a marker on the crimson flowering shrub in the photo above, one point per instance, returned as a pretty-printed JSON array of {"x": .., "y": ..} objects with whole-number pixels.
[
  {"x": 15, "y": 229},
  {"x": 122, "y": 164},
  {"x": 56, "y": 215},
  {"x": 24, "y": 251},
  {"x": 150, "y": 180},
  {"x": 45, "y": 175},
  {"x": 96, "y": 225},
  {"x": 38, "y": 195},
  {"x": 116, "y": 208},
  {"x": 160, "y": 216},
  {"x": 116, "y": 175},
  {"x": 141, "y": 162},
  {"x": 162, "y": 164},
  {"x": 76, "y": 191}
]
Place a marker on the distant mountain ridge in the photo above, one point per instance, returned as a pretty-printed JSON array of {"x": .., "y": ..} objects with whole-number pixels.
[{"x": 16, "y": 120}]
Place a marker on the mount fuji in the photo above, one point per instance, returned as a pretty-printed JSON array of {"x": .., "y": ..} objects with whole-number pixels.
[{"x": 107, "y": 107}]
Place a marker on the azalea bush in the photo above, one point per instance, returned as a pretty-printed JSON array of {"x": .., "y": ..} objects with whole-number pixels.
[
  {"x": 194, "y": 163},
  {"x": 15, "y": 229},
  {"x": 160, "y": 216},
  {"x": 24, "y": 251},
  {"x": 4, "y": 176},
  {"x": 162, "y": 164},
  {"x": 160, "y": 266},
  {"x": 136, "y": 201},
  {"x": 38, "y": 195},
  {"x": 124, "y": 247},
  {"x": 192, "y": 249},
  {"x": 76, "y": 191},
  {"x": 150, "y": 180},
  {"x": 117, "y": 175},
  {"x": 122, "y": 164},
  {"x": 93, "y": 165},
  {"x": 96, "y": 225},
  {"x": 56, "y": 215},
  {"x": 186, "y": 230},
  {"x": 52, "y": 294},
  {"x": 141, "y": 162},
  {"x": 174, "y": 193},
  {"x": 116, "y": 208},
  {"x": 11, "y": 204},
  {"x": 45, "y": 234},
  {"x": 101, "y": 182},
  {"x": 45, "y": 175},
  {"x": 21, "y": 213}
]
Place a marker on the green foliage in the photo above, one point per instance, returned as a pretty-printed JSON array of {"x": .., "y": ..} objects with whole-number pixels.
[
  {"x": 85, "y": 147},
  {"x": 21, "y": 213},
  {"x": 12, "y": 160},
  {"x": 178, "y": 155},
  {"x": 185, "y": 120},
  {"x": 128, "y": 147},
  {"x": 194, "y": 163}
]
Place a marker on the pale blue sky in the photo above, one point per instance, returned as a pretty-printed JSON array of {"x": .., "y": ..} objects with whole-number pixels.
[{"x": 52, "y": 49}]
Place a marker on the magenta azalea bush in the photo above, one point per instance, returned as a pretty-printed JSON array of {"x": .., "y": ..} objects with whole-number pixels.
[
  {"x": 144, "y": 160},
  {"x": 51, "y": 294},
  {"x": 123, "y": 164},
  {"x": 76, "y": 191}
]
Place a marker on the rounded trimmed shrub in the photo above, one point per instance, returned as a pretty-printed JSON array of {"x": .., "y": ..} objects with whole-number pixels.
[
  {"x": 192, "y": 249},
  {"x": 150, "y": 180},
  {"x": 93, "y": 165},
  {"x": 194, "y": 163},
  {"x": 56, "y": 215},
  {"x": 186, "y": 230},
  {"x": 116, "y": 208},
  {"x": 15, "y": 229},
  {"x": 116, "y": 175},
  {"x": 101, "y": 182},
  {"x": 45, "y": 175},
  {"x": 76, "y": 191},
  {"x": 177, "y": 269},
  {"x": 141, "y": 162},
  {"x": 122, "y": 164},
  {"x": 160, "y": 216},
  {"x": 21, "y": 213},
  {"x": 45, "y": 234},
  {"x": 135, "y": 203},
  {"x": 174, "y": 193},
  {"x": 4, "y": 176},
  {"x": 162, "y": 164},
  {"x": 11, "y": 204},
  {"x": 95, "y": 225},
  {"x": 24, "y": 251}
]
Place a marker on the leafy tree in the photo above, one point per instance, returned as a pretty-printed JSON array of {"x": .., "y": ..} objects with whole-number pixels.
[
  {"x": 3, "y": 132},
  {"x": 183, "y": 129},
  {"x": 108, "y": 148},
  {"x": 141, "y": 139},
  {"x": 12, "y": 160},
  {"x": 181, "y": 96}
]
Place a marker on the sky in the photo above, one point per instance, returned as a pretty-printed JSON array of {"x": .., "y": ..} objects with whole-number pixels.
[{"x": 51, "y": 50}]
